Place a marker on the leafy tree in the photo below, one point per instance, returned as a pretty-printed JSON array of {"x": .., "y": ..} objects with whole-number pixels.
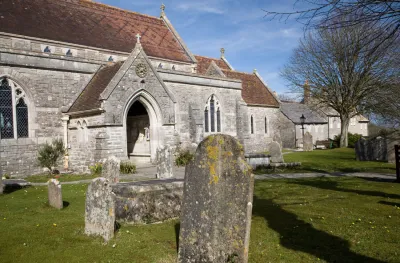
[
  {"x": 346, "y": 70},
  {"x": 49, "y": 154}
]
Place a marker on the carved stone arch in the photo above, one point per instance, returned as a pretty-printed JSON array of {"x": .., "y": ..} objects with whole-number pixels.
[{"x": 155, "y": 116}]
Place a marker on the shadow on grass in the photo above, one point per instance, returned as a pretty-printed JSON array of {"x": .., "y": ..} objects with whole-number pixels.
[
  {"x": 332, "y": 185},
  {"x": 389, "y": 203},
  {"x": 298, "y": 235},
  {"x": 65, "y": 204},
  {"x": 10, "y": 188},
  {"x": 177, "y": 230}
]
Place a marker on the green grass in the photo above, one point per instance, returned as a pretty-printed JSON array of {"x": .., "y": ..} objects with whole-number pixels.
[
  {"x": 61, "y": 178},
  {"x": 302, "y": 220},
  {"x": 328, "y": 161}
]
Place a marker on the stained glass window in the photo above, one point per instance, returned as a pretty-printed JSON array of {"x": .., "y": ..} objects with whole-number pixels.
[
  {"x": 22, "y": 119},
  {"x": 212, "y": 116},
  {"x": 206, "y": 120},
  {"x": 212, "y": 112},
  {"x": 252, "y": 125},
  {"x": 6, "y": 110},
  {"x": 218, "y": 120}
]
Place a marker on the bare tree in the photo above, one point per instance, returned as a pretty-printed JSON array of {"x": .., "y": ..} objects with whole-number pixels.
[
  {"x": 326, "y": 13},
  {"x": 345, "y": 68}
]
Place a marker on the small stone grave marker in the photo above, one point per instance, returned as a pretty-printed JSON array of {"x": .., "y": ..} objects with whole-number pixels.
[
  {"x": 217, "y": 204},
  {"x": 307, "y": 142},
  {"x": 55, "y": 194},
  {"x": 100, "y": 209},
  {"x": 275, "y": 152},
  {"x": 164, "y": 162},
  {"x": 111, "y": 169}
]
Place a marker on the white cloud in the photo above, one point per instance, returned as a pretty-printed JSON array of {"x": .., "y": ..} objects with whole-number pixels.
[{"x": 202, "y": 7}]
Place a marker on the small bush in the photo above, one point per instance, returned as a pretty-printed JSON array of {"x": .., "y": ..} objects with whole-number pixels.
[
  {"x": 49, "y": 154},
  {"x": 127, "y": 168},
  {"x": 352, "y": 139},
  {"x": 96, "y": 168},
  {"x": 183, "y": 158}
]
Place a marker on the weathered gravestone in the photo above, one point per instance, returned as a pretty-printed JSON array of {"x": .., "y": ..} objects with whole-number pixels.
[
  {"x": 361, "y": 148},
  {"x": 217, "y": 204},
  {"x": 111, "y": 169},
  {"x": 275, "y": 152},
  {"x": 307, "y": 142},
  {"x": 164, "y": 162},
  {"x": 54, "y": 194},
  {"x": 100, "y": 209},
  {"x": 371, "y": 150}
]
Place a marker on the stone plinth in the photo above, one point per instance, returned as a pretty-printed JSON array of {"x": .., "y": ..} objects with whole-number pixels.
[
  {"x": 111, "y": 169},
  {"x": 148, "y": 202},
  {"x": 164, "y": 162},
  {"x": 275, "y": 152},
  {"x": 308, "y": 142},
  {"x": 55, "y": 194},
  {"x": 217, "y": 204},
  {"x": 100, "y": 209}
]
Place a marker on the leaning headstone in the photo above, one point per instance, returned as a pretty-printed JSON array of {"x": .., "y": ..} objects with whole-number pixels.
[
  {"x": 217, "y": 204},
  {"x": 275, "y": 152},
  {"x": 100, "y": 209},
  {"x": 164, "y": 162},
  {"x": 54, "y": 194},
  {"x": 111, "y": 169},
  {"x": 361, "y": 149},
  {"x": 307, "y": 142}
]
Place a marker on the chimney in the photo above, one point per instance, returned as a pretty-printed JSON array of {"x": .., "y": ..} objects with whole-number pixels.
[{"x": 307, "y": 95}]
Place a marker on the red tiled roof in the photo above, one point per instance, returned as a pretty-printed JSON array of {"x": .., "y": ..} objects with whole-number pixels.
[
  {"x": 253, "y": 90},
  {"x": 90, "y": 24},
  {"x": 89, "y": 98},
  {"x": 204, "y": 62}
]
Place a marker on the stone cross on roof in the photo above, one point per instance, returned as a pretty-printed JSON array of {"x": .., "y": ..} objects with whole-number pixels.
[
  {"x": 162, "y": 9},
  {"x": 138, "y": 37},
  {"x": 222, "y": 52}
]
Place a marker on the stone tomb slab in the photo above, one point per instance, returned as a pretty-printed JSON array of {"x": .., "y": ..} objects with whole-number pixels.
[
  {"x": 55, "y": 194},
  {"x": 100, "y": 209},
  {"x": 217, "y": 204}
]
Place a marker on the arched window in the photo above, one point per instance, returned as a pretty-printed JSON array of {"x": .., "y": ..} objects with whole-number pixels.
[
  {"x": 79, "y": 132},
  {"x": 252, "y": 124},
  {"x": 212, "y": 115},
  {"x": 84, "y": 132},
  {"x": 13, "y": 111}
]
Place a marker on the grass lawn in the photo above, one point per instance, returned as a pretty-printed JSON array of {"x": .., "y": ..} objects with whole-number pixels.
[
  {"x": 301, "y": 220},
  {"x": 61, "y": 178},
  {"x": 328, "y": 161}
]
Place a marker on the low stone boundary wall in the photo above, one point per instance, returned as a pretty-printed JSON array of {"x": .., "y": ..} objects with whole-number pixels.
[{"x": 148, "y": 202}]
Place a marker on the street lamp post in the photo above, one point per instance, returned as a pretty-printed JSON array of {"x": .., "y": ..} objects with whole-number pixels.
[{"x": 302, "y": 121}]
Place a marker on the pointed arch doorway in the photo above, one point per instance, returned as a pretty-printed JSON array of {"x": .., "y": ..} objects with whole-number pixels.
[{"x": 142, "y": 128}]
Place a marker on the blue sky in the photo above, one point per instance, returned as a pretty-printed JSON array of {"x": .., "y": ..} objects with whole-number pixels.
[{"x": 250, "y": 40}]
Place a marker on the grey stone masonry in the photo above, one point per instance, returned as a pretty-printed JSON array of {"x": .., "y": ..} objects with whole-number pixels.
[
  {"x": 164, "y": 162},
  {"x": 275, "y": 152},
  {"x": 100, "y": 209},
  {"x": 217, "y": 204},
  {"x": 55, "y": 194},
  {"x": 371, "y": 150},
  {"x": 111, "y": 169},
  {"x": 307, "y": 142}
]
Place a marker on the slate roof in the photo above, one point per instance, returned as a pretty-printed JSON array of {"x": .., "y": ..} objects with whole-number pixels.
[
  {"x": 90, "y": 24},
  {"x": 89, "y": 98},
  {"x": 253, "y": 89},
  {"x": 203, "y": 63},
  {"x": 294, "y": 110}
]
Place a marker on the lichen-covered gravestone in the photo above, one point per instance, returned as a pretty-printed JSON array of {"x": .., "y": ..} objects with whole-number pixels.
[
  {"x": 55, "y": 194},
  {"x": 111, "y": 169},
  {"x": 275, "y": 152},
  {"x": 164, "y": 162},
  {"x": 217, "y": 204},
  {"x": 308, "y": 142},
  {"x": 100, "y": 209}
]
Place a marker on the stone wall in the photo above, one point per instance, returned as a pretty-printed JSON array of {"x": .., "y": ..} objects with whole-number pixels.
[{"x": 260, "y": 139}]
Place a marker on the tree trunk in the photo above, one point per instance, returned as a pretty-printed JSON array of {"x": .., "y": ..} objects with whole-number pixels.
[{"x": 344, "y": 142}]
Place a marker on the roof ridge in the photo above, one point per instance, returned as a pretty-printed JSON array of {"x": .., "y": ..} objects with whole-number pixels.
[
  {"x": 90, "y": 2},
  {"x": 241, "y": 72},
  {"x": 208, "y": 57}
]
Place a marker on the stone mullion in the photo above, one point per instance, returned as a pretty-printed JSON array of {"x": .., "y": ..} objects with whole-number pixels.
[{"x": 14, "y": 111}]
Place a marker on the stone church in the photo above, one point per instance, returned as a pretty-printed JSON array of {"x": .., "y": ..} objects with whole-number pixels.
[{"x": 114, "y": 82}]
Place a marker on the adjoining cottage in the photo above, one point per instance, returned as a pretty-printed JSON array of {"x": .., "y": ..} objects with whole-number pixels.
[{"x": 112, "y": 82}]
